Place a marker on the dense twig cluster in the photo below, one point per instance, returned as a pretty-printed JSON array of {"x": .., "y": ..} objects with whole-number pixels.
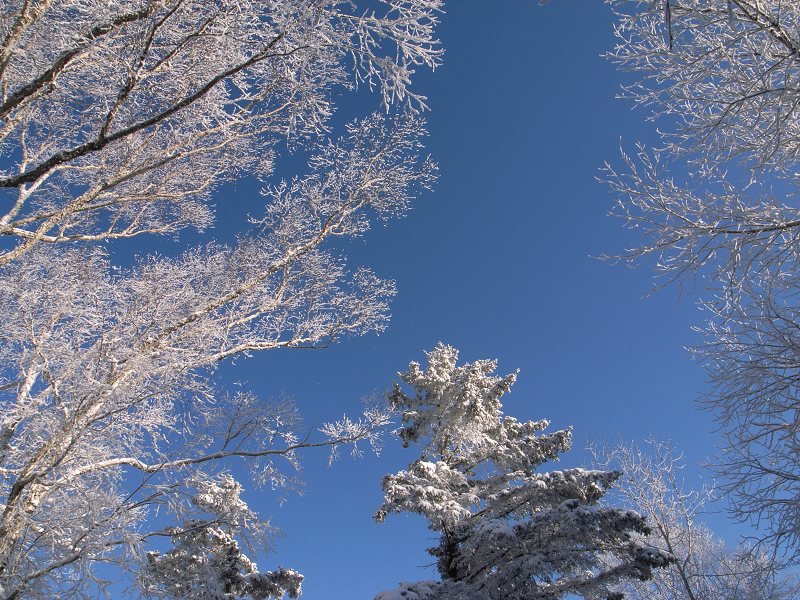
[
  {"x": 121, "y": 119},
  {"x": 720, "y": 201}
]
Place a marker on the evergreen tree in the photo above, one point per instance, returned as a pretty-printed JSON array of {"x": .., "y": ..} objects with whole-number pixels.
[{"x": 507, "y": 531}]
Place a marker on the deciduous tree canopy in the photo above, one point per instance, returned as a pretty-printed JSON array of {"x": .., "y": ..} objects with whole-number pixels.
[
  {"x": 719, "y": 201},
  {"x": 121, "y": 119}
]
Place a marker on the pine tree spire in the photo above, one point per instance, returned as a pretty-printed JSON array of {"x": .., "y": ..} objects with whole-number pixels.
[{"x": 507, "y": 530}]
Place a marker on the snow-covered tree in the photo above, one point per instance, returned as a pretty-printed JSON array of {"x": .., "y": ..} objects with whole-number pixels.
[
  {"x": 719, "y": 201},
  {"x": 206, "y": 561},
  {"x": 704, "y": 566},
  {"x": 119, "y": 119},
  {"x": 507, "y": 530},
  {"x": 107, "y": 375}
]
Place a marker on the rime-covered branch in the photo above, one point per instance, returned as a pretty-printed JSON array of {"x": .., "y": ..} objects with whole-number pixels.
[
  {"x": 719, "y": 202},
  {"x": 120, "y": 119}
]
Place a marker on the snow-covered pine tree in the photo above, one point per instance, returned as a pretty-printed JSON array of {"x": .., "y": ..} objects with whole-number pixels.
[
  {"x": 206, "y": 560},
  {"x": 507, "y": 531}
]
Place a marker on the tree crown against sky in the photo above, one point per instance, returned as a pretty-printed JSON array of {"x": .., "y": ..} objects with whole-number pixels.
[
  {"x": 506, "y": 529},
  {"x": 704, "y": 566},
  {"x": 718, "y": 201},
  {"x": 121, "y": 119},
  {"x": 44, "y": 224}
]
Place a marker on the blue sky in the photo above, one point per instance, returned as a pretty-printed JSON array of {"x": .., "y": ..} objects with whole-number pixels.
[{"x": 497, "y": 262}]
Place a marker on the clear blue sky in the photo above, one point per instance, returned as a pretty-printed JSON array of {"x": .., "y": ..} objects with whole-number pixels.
[{"x": 497, "y": 262}]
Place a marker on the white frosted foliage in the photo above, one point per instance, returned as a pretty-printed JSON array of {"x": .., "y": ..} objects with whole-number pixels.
[
  {"x": 206, "y": 560},
  {"x": 122, "y": 119},
  {"x": 716, "y": 200},
  {"x": 507, "y": 530}
]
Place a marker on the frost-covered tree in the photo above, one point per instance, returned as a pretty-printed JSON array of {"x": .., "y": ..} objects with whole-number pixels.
[
  {"x": 719, "y": 201},
  {"x": 507, "y": 530},
  {"x": 206, "y": 561},
  {"x": 121, "y": 119},
  {"x": 704, "y": 566},
  {"x": 109, "y": 399}
]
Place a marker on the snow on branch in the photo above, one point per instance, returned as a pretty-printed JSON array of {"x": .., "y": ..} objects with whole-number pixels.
[{"x": 506, "y": 531}]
